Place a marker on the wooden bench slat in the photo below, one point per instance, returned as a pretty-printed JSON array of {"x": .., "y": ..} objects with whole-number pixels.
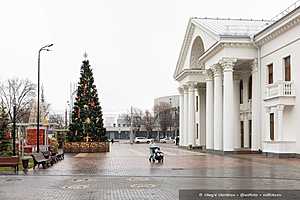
[{"x": 10, "y": 162}]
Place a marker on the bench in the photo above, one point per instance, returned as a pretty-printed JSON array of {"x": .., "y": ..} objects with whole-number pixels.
[
  {"x": 60, "y": 155},
  {"x": 38, "y": 158},
  {"x": 51, "y": 156},
  {"x": 10, "y": 162}
]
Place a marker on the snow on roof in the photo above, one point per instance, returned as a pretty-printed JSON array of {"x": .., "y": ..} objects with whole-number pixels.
[{"x": 233, "y": 27}]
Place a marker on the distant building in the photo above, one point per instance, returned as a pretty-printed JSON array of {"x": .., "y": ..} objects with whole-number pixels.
[
  {"x": 123, "y": 121},
  {"x": 109, "y": 120},
  {"x": 172, "y": 100},
  {"x": 173, "y": 106}
]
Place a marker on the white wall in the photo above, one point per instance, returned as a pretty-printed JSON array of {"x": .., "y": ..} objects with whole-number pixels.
[{"x": 274, "y": 52}]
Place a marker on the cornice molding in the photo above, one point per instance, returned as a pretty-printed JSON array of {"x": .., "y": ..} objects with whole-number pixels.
[
  {"x": 189, "y": 72},
  {"x": 224, "y": 44},
  {"x": 261, "y": 40},
  {"x": 184, "y": 49}
]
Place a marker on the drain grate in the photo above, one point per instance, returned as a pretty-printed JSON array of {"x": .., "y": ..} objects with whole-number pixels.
[
  {"x": 13, "y": 179},
  {"x": 138, "y": 179},
  {"x": 143, "y": 185},
  {"x": 79, "y": 180},
  {"x": 76, "y": 187},
  {"x": 177, "y": 169}
]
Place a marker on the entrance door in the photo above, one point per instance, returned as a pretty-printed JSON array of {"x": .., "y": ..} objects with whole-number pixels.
[{"x": 242, "y": 134}]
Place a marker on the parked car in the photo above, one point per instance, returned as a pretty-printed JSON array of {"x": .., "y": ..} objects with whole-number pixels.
[
  {"x": 142, "y": 140},
  {"x": 167, "y": 140}
]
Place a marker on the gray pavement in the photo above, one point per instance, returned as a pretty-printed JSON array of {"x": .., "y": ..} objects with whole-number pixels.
[{"x": 125, "y": 173}]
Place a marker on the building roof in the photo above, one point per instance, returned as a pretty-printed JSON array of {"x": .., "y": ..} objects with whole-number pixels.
[{"x": 233, "y": 27}]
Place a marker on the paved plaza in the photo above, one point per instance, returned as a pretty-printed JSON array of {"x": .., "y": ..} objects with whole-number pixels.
[{"x": 125, "y": 173}]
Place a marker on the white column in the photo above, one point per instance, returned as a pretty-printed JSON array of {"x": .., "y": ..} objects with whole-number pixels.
[
  {"x": 198, "y": 115},
  {"x": 218, "y": 108},
  {"x": 246, "y": 106},
  {"x": 236, "y": 113},
  {"x": 256, "y": 134},
  {"x": 186, "y": 115},
  {"x": 209, "y": 110},
  {"x": 228, "y": 136},
  {"x": 280, "y": 109},
  {"x": 191, "y": 122},
  {"x": 202, "y": 115},
  {"x": 181, "y": 116},
  {"x": 246, "y": 131},
  {"x": 267, "y": 124}
]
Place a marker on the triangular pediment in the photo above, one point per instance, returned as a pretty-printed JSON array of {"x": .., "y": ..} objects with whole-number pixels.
[{"x": 194, "y": 30}]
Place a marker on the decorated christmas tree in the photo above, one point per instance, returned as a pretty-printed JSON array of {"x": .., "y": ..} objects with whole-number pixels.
[
  {"x": 87, "y": 121},
  {"x": 5, "y": 140}
]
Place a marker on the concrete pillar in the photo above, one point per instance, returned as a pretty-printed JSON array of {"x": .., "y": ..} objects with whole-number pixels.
[
  {"x": 191, "y": 122},
  {"x": 246, "y": 131},
  {"x": 198, "y": 115},
  {"x": 181, "y": 116},
  {"x": 209, "y": 110},
  {"x": 186, "y": 115},
  {"x": 246, "y": 106},
  {"x": 256, "y": 134},
  {"x": 280, "y": 109},
  {"x": 236, "y": 113},
  {"x": 202, "y": 116},
  {"x": 228, "y": 136},
  {"x": 218, "y": 108}
]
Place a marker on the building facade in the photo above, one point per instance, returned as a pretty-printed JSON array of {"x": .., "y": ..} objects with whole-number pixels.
[
  {"x": 238, "y": 84},
  {"x": 172, "y": 100},
  {"x": 166, "y": 111}
]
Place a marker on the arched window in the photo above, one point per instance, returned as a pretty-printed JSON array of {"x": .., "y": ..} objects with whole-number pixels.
[{"x": 196, "y": 52}]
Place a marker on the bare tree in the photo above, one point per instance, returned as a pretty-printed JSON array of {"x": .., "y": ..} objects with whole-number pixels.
[
  {"x": 163, "y": 116},
  {"x": 148, "y": 122},
  {"x": 137, "y": 119},
  {"x": 137, "y": 116},
  {"x": 57, "y": 119},
  {"x": 17, "y": 92}
]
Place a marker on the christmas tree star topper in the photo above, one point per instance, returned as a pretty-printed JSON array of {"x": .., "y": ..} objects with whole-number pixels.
[{"x": 85, "y": 55}]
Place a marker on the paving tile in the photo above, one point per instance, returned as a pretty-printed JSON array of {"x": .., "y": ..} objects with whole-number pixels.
[{"x": 125, "y": 173}]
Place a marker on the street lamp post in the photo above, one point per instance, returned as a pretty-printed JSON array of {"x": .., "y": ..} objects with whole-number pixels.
[
  {"x": 131, "y": 126},
  {"x": 170, "y": 116},
  {"x": 14, "y": 129},
  {"x": 44, "y": 48}
]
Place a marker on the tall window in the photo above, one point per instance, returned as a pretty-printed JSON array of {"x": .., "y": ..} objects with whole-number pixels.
[
  {"x": 271, "y": 126},
  {"x": 270, "y": 73},
  {"x": 287, "y": 68},
  {"x": 242, "y": 134},
  {"x": 197, "y": 130},
  {"x": 241, "y": 92},
  {"x": 250, "y": 134},
  {"x": 250, "y": 88},
  {"x": 197, "y": 103}
]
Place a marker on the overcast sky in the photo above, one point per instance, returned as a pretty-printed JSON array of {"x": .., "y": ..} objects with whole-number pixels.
[{"x": 132, "y": 45}]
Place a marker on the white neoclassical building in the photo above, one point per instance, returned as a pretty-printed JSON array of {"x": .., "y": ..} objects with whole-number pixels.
[{"x": 238, "y": 84}]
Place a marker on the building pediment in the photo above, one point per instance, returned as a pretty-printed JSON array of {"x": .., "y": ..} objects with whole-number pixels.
[
  {"x": 205, "y": 35},
  {"x": 196, "y": 41}
]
